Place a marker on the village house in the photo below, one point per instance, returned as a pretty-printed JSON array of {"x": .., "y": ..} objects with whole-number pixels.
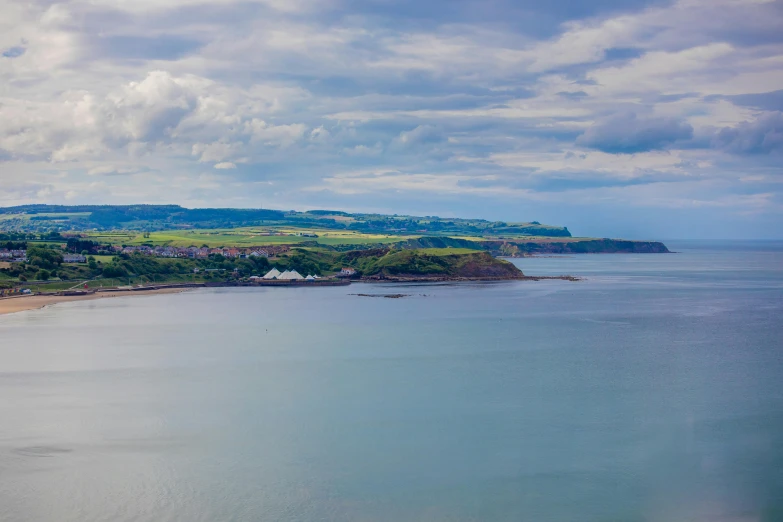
[
  {"x": 347, "y": 272},
  {"x": 193, "y": 252},
  {"x": 74, "y": 258},
  {"x": 15, "y": 256}
]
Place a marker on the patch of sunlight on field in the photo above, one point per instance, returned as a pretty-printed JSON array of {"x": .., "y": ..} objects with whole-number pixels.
[
  {"x": 446, "y": 251},
  {"x": 64, "y": 215},
  {"x": 244, "y": 237}
]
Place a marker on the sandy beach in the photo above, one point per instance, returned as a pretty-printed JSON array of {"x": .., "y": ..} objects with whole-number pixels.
[{"x": 34, "y": 302}]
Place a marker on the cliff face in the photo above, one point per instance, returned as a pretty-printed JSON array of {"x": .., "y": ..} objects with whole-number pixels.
[{"x": 520, "y": 248}]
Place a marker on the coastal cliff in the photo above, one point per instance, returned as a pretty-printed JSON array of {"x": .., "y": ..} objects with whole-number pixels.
[{"x": 522, "y": 248}]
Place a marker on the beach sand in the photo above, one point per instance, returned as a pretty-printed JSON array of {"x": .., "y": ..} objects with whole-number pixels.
[{"x": 34, "y": 302}]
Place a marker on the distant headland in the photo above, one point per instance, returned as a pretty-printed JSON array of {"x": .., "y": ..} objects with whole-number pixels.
[{"x": 86, "y": 248}]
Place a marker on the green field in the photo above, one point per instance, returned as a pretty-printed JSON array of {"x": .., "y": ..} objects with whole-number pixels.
[
  {"x": 242, "y": 237},
  {"x": 254, "y": 236},
  {"x": 445, "y": 251}
]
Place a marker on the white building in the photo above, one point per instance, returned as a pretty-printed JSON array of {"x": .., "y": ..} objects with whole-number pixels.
[
  {"x": 273, "y": 274},
  {"x": 290, "y": 275},
  {"x": 74, "y": 258}
]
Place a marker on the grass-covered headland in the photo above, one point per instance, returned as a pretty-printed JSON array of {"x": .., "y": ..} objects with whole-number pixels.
[
  {"x": 44, "y": 247},
  {"x": 45, "y": 268}
]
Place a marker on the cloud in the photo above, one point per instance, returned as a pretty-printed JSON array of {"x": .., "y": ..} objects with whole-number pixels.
[
  {"x": 763, "y": 135},
  {"x": 160, "y": 113},
  {"x": 151, "y": 109},
  {"x": 422, "y": 134},
  {"x": 625, "y": 166},
  {"x": 225, "y": 165},
  {"x": 544, "y": 102},
  {"x": 275, "y": 135},
  {"x": 114, "y": 170},
  {"x": 627, "y": 134}
]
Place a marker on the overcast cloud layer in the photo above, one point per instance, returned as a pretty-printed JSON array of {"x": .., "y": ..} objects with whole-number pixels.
[{"x": 613, "y": 117}]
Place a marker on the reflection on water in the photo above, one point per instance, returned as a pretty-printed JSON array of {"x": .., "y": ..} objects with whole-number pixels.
[{"x": 649, "y": 392}]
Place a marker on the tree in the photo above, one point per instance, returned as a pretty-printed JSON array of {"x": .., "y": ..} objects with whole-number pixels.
[
  {"x": 114, "y": 270},
  {"x": 75, "y": 244},
  {"x": 43, "y": 257},
  {"x": 43, "y": 275}
]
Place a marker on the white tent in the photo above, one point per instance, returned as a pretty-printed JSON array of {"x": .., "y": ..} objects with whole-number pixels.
[
  {"x": 293, "y": 274},
  {"x": 310, "y": 278},
  {"x": 272, "y": 274}
]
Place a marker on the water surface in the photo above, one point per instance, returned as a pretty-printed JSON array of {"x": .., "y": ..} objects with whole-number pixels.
[{"x": 649, "y": 392}]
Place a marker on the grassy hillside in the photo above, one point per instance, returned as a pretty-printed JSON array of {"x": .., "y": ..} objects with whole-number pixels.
[
  {"x": 426, "y": 263},
  {"x": 41, "y": 218}
]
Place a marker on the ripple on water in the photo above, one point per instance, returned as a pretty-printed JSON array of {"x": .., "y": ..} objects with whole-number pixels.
[{"x": 41, "y": 451}]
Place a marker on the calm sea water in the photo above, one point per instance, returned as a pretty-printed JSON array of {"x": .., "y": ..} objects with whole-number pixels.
[{"x": 652, "y": 391}]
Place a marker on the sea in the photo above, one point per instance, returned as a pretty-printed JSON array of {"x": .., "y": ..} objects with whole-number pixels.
[{"x": 650, "y": 391}]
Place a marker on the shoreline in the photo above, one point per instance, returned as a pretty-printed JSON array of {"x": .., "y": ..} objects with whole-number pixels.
[
  {"x": 439, "y": 279},
  {"x": 10, "y": 305},
  {"x": 13, "y": 305}
]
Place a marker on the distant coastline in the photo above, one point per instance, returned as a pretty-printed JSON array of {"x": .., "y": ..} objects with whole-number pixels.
[
  {"x": 10, "y": 305},
  {"x": 78, "y": 250},
  {"x": 22, "y": 303}
]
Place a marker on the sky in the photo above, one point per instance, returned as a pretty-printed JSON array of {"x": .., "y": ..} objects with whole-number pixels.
[{"x": 616, "y": 118}]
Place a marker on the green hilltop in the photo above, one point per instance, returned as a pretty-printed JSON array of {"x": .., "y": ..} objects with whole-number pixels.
[{"x": 40, "y": 218}]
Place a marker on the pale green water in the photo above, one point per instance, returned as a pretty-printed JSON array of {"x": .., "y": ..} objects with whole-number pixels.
[{"x": 650, "y": 392}]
